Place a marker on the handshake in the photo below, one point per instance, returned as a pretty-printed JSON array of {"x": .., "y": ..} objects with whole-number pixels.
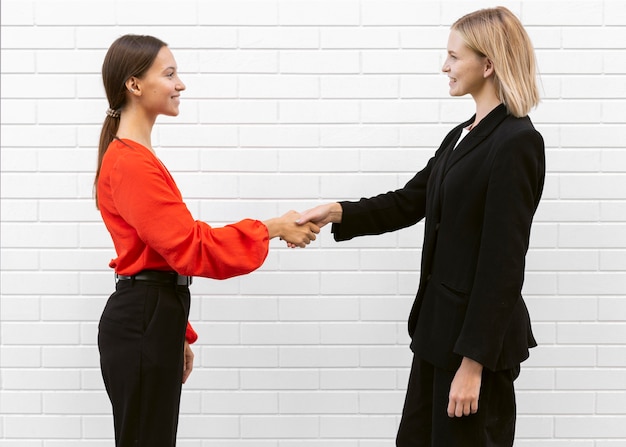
[{"x": 299, "y": 229}]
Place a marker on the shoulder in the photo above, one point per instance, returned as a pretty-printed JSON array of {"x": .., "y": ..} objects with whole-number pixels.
[
  {"x": 513, "y": 128},
  {"x": 127, "y": 154},
  {"x": 129, "y": 162},
  {"x": 517, "y": 138},
  {"x": 518, "y": 148}
]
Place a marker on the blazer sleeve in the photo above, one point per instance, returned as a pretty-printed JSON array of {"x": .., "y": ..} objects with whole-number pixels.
[
  {"x": 385, "y": 212},
  {"x": 513, "y": 192}
]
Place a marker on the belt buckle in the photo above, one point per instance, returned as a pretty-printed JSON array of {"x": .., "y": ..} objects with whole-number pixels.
[{"x": 119, "y": 277}]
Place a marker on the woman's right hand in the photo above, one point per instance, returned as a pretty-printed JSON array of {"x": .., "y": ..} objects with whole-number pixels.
[
  {"x": 296, "y": 235},
  {"x": 322, "y": 214}
]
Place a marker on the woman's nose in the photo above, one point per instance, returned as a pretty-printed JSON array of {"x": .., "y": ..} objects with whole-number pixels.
[{"x": 445, "y": 68}]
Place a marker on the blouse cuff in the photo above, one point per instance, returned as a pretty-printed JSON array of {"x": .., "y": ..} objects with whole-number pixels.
[{"x": 190, "y": 335}]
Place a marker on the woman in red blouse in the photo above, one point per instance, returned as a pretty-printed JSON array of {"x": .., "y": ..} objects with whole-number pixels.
[{"x": 144, "y": 335}]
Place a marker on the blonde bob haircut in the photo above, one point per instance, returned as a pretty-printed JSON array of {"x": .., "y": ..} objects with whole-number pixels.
[{"x": 496, "y": 33}]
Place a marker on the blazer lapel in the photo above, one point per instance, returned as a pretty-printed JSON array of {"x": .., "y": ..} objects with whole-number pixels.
[{"x": 476, "y": 135}]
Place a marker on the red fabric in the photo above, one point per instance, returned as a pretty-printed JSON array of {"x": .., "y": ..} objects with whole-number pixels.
[
  {"x": 190, "y": 335},
  {"x": 152, "y": 228}
]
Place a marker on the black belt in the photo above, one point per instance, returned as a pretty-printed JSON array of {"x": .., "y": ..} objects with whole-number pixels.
[{"x": 156, "y": 276}]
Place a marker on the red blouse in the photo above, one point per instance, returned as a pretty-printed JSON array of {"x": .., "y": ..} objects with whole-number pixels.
[{"x": 152, "y": 228}]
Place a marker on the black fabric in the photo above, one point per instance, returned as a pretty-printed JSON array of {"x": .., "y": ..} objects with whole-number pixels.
[
  {"x": 157, "y": 276},
  {"x": 425, "y": 421},
  {"x": 478, "y": 202},
  {"x": 141, "y": 339}
]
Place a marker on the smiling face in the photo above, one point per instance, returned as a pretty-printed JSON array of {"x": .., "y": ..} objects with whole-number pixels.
[
  {"x": 468, "y": 71},
  {"x": 160, "y": 87}
]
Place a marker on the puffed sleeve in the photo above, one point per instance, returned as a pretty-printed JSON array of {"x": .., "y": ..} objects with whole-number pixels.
[{"x": 147, "y": 198}]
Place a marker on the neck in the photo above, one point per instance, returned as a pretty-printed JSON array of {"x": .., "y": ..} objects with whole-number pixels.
[
  {"x": 486, "y": 101},
  {"x": 136, "y": 126}
]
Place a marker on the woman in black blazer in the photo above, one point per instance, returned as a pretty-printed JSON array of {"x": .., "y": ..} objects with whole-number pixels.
[{"x": 469, "y": 326}]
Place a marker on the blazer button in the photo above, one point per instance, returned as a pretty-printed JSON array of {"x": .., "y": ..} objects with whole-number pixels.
[
  {"x": 437, "y": 227},
  {"x": 428, "y": 277}
]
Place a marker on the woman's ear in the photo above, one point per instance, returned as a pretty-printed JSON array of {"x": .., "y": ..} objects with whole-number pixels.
[
  {"x": 488, "y": 68},
  {"x": 132, "y": 86}
]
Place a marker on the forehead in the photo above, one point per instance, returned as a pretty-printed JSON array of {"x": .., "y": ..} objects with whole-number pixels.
[
  {"x": 456, "y": 42},
  {"x": 164, "y": 60}
]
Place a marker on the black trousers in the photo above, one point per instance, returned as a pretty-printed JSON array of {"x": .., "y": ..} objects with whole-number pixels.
[
  {"x": 425, "y": 421},
  {"x": 141, "y": 341}
]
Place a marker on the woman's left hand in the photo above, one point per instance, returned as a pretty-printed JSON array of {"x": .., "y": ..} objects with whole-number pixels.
[
  {"x": 465, "y": 389},
  {"x": 187, "y": 361}
]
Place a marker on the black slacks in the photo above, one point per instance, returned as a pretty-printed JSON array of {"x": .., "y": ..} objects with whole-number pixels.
[
  {"x": 141, "y": 341},
  {"x": 425, "y": 421}
]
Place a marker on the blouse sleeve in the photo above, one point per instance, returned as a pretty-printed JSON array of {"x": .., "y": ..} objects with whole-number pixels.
[
  {"x": 146, "y": 197},
  {"x": 190, "y": 335}
]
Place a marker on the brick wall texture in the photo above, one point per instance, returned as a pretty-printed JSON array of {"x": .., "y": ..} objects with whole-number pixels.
[{"x": 292, "y": 103}]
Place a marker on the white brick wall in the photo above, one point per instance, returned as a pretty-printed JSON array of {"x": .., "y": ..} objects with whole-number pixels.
[{"x": 291, "y": 103}]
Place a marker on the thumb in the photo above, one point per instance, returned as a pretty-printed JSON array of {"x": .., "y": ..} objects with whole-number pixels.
[{"x": 304, "y": 218}]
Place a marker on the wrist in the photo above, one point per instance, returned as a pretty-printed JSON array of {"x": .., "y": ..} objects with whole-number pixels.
[
  {"x": 279, "y": 226},
  {"x": 336, "y": 212},
  {"x": 273, "y": 227},
  {"x": 471, "y": 365}
]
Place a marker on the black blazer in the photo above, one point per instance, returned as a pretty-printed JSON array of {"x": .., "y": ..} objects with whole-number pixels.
[{"x": 479, "y": 201}]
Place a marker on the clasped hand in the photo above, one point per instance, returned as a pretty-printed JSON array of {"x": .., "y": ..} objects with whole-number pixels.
[
  {"x": 311, "y": 220},
  {"x": 287, "y": 228}
]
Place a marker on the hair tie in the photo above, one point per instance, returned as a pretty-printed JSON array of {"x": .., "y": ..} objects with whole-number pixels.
[{"x": 113, "y": 113}]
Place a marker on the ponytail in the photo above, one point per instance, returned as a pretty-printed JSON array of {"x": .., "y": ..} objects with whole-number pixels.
[
  {"x": 107, "y": 134},
  {"x": 129, "y": 56}
]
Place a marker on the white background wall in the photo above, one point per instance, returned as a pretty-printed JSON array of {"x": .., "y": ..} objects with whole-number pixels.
[{"x": 289, "y": 104}]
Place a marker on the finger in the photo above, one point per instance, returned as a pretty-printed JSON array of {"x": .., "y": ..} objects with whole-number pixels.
[
  {"x": 188, "y": 369},
  {"x": 466, "y": 410},
  {"x": 451, "y": 408},
  {"x": 474, "y": 407},
  {"x": 185, "y": 373},
  {"x": 458, "y": 412}
]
